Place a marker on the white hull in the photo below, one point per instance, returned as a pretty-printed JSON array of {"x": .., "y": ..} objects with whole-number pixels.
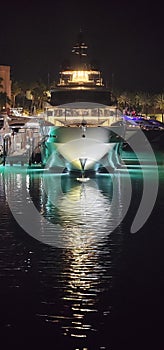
[
  {"x": 76, "y": 150},
  {"x": 70, "y": 147}
]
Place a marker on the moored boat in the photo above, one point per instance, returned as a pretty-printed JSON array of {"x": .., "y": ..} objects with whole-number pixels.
[{"x": 88, "y": 128}]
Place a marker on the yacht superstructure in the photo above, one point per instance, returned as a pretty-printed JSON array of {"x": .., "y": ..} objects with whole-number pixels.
[{"x": 87, "y": 125}]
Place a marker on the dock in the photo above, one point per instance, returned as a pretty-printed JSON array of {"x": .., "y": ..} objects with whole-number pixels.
[{"x": 20, "y": 145}]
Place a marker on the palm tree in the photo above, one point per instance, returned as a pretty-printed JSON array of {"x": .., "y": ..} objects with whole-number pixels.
[
  {"x": 39, "y": 94},
  {"x": 15, "y": 90},
  {"x": 4, "y": 100},
  {"x": 144, "y": 101},
  {"x": 124, "y": 100},
  {"x": 159, "y": 103}
]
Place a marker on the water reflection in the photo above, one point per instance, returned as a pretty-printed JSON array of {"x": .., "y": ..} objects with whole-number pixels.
[
  {"x": 88, "y": 212},
  {"x": 75, "y": 291},
  {"x": 77, "y": 312},
  {"x": 59, "y": 211}
]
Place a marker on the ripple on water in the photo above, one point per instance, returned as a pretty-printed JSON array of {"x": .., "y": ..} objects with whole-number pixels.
[{"x": 67, "y": 290}]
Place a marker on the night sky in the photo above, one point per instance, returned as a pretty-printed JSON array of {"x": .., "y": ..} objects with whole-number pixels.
[{"x": 126, "y": 38}]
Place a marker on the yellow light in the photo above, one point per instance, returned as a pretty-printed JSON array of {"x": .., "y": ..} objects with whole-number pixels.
[{"x": 80, "y": 76}]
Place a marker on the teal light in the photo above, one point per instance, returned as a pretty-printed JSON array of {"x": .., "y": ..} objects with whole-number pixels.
[{"x": 20, "y": 169}]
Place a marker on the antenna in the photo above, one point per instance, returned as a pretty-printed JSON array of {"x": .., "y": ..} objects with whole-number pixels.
[{"x": 80, "y": 48}]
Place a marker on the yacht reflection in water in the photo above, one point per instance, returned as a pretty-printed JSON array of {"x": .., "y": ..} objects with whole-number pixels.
[
  {"x": 75, "y": 282},
  {"x": 88, "y": 212},
  {"x": 85, "y": 293}
]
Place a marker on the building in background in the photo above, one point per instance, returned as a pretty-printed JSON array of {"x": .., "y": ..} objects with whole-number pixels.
[{"x": 6, "y": 82}]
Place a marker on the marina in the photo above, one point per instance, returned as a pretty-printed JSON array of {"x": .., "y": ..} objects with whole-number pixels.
[
  {"x": 80, "y": 130},
  {"x": 81, "y": 229}
]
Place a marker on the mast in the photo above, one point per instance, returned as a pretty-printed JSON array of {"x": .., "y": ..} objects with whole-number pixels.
[{"x": 80, "y": 48}]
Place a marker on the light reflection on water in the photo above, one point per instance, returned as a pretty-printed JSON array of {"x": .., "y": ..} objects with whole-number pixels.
[
  {"x": 68, "y": 214},
  {"x": 72, "y": 286},
  {"x": 81, "y": 208}
]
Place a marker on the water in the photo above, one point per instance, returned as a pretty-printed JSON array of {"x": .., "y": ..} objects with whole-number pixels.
[{"x": 88, "y": 282}]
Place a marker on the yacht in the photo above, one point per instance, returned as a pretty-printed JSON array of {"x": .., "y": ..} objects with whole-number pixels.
[{"x": 87, "y": 128}]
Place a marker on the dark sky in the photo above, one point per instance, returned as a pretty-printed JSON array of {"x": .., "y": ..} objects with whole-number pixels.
[{"x": 125, "y": 37}]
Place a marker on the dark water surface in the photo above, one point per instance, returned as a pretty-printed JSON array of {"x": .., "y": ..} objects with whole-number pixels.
[{"x": 101, "y": 287}]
